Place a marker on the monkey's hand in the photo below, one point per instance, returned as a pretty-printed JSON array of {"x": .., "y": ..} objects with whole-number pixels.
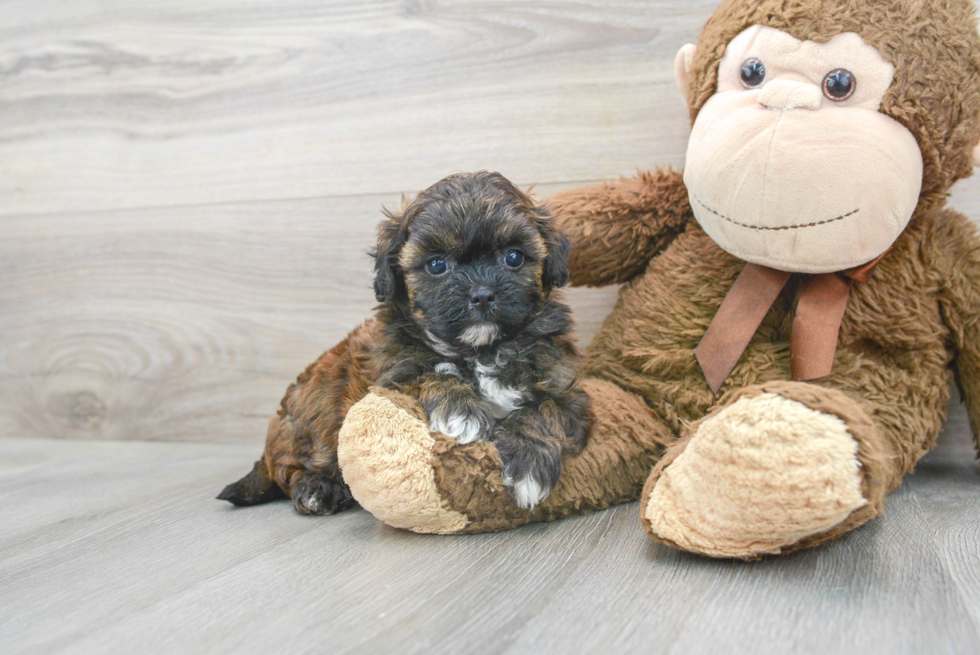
[{"x": 617, "y": 227}]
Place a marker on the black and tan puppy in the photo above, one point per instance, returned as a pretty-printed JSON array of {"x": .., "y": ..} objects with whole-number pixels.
[{"x": 467, "y": 324}]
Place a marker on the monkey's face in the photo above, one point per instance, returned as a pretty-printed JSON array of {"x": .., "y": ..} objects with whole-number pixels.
[
  {"x": 474, "y": 266},
  {"x": 791, "y": 165}
]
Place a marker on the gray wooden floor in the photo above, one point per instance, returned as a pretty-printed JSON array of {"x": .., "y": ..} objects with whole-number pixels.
[
  {"x": 187, "y": 194},
  {"x": 119, "y": 547}
]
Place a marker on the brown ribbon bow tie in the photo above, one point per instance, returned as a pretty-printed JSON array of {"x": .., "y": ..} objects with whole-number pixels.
[{"x": 823, "y": 299}]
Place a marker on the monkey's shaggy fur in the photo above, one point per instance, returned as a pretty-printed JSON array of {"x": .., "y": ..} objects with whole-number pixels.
[{"x": 905, "y": 335}]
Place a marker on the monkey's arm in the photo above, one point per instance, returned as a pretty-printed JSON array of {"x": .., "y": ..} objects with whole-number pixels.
[
  {"x": 960, "y": 296},
  {"x": 617, "y": 227}
]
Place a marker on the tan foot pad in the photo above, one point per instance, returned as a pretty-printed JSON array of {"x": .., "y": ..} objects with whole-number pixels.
[
  {"x": 763, "y": 473},
  {"x": 385, "y": 453}
]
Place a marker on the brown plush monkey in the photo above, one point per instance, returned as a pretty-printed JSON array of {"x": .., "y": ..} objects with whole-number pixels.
[{"x": 795, "y": 305}]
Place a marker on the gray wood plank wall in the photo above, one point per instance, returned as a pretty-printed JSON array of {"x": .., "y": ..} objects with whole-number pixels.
[{"x": 188, "y": 189}]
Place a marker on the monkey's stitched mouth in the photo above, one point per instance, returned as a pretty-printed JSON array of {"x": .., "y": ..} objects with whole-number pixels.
[{"x": 780, "y": 227}]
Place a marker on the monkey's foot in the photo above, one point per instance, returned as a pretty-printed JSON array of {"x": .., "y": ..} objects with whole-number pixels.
[{"x": 767, "y": 473}]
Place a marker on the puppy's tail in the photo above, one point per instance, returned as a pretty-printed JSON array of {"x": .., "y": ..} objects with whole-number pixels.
[{"x": 254, "y": 489}]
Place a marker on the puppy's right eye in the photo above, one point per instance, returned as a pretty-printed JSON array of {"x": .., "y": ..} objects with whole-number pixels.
[
  {"x": 436, "y": 266},
  {"x": 514, "y": 259}
]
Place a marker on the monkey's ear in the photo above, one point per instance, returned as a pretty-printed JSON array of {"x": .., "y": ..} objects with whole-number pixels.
[
  {"x": 559, "y": 246},
  {"x": 682, "y": 69},
  {"x": 391, "y": 238},
  {"x": 976, "y": 155}
]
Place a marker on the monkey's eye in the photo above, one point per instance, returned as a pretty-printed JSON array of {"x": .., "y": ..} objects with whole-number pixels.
[
  {"x": 513, "y": 259},
  {"x": 753, "y": 73},
  {"x": 839, "y": 85},
  {"x": 436, "y": 266}
]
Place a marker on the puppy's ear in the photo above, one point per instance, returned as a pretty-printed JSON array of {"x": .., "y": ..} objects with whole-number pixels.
[
  {"x": 391, "y": 237},
  {"x": 557, "y": 243},
  {"x": 559, "y": 247}
]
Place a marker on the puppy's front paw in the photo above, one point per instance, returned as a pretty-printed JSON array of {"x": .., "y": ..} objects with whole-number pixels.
[
  {"x": 530, "y": 469},
  {"x": 465, "y": 424},
  {"x": 527, "y": 491}
]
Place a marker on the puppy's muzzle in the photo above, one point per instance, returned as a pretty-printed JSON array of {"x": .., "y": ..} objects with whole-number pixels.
[{"x": 482, "y": 298}]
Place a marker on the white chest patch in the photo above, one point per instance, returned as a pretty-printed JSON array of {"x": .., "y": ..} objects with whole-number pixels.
[{"x": 503, "y": 399}]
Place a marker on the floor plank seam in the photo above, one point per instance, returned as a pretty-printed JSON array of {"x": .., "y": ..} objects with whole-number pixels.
[
  {"x": 964, "y": 600},
  {"x": 135, "y": 515}
]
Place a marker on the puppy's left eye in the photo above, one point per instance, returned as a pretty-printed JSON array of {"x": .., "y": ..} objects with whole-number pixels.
[
  {"x": 514, "y": 259},
  {"x": 436, "y": 266}
]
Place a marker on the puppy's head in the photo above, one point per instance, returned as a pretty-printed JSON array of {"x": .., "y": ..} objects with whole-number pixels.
[{"x": 471, "y": 259}]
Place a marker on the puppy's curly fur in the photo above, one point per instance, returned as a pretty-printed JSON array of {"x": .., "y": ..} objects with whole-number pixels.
[{"x": 468, "y": 324}]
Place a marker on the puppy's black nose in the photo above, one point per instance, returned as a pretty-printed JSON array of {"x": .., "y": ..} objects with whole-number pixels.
[{"x": 481, "y": 297}]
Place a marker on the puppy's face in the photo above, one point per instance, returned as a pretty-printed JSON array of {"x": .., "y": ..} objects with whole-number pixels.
[{"x": 471, "y": 260}]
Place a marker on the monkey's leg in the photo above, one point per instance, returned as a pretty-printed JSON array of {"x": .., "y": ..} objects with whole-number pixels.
[
  {"x": 412, "y": 478},
  {"x": 778, "y": 467}
]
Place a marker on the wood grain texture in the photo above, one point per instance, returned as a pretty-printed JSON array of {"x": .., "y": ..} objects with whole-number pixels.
[
  {"x": 119, "y": 547},
  {"x": 118, "y": 105},
  {"x": 947, "y": 492},
  {"x": 188, "y": 190},
  {"x": 184, "y": 323}
]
